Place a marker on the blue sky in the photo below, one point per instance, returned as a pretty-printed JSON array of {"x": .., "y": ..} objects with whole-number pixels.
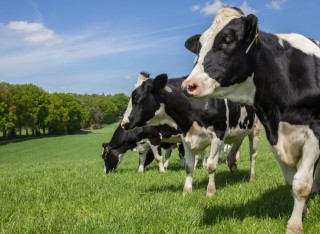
[{"x": 100, "y": 46}]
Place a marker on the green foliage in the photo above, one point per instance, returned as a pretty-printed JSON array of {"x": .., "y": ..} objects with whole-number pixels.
[
  {"x": 29, "y": 107},
  {"x": 56, "y": 185}
]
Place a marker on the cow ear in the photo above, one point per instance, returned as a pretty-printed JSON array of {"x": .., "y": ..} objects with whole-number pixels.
[
  {"x": 193, "y": 44},
  {"x": 251, "y": 27},
  {"x": 160, "y": 81}
]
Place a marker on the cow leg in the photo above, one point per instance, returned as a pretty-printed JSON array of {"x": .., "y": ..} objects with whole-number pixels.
[
  {"x": 253, "y": 145},
  {"x": 196, "y": 161},
  {"x": 142, "y": 159},
  {"x": 204, "y": 159},
  {"x": 181, "y": 155},
  {"x": 316, "y": 182},
  {"x": 212, "y": 163},
  {"x": 232, "y": 156},
  {"x": 190, "y": 161},
  {"x": 302, "y": 183},
  {"x": 157, "y": 157},
  {"x": 167, "y": 157},
  {"x": 226, "y": 148}
]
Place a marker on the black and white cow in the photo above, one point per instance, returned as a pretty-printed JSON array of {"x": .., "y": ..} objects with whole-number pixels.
[
  {"x": 278, "y": 74},
  {"x": 143, "y": 139},
  {"x": 161, "y": 101}
]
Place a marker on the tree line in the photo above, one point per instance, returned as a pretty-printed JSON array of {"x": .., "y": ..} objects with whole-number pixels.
[{"x": 29, "y": 109}]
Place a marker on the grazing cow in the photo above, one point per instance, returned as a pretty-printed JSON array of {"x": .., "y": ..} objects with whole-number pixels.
[
  {"x": 278, "y": 74},
  {"x": 161, "y": 101},
  {"x": 145, "y": 139}
]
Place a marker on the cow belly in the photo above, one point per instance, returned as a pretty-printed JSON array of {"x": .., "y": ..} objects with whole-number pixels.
[
  {"x": 198, "y": 138},
  {"x": 143, "y": 146},
  {"x": 173, "y": 140},
  {"x": 291, "y": 139},
  {"x": 236, "y": 135}
]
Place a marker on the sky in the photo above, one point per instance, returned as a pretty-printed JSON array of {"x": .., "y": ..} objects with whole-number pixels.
[{"x": 100, "y": 46}]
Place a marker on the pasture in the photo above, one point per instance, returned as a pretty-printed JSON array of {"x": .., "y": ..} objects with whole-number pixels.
[{"x": 57, "y": 185}]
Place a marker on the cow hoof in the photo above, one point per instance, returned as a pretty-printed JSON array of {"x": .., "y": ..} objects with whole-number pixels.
[
  {"x": 211, "y": 190},
  {"x": 233, "y": 168},
  {"x": 294, "y": 228},
  {"x": 186, "y": 191},
  {"x": 252, "y": 177}
]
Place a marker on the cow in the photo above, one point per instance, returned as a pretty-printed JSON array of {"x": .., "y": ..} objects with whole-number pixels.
[
  {"x": 277, "y": 74},
  {"x": 209, "y": 123},
  {"x": 143, "y": 139}
]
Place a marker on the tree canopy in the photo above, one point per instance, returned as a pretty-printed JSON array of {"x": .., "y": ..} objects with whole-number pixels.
[{"x": 30, "y": 108}]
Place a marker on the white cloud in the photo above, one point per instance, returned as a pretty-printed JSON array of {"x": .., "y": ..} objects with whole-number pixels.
[
  {"x": 247, "y": 9},
  {"x": 33, "y": 33},
  {"x": 208, "y": 9},
  {"x": 276, "y": 4},
  {"x": 23, "y": 52},
  {"x": 212, "y": 8}
]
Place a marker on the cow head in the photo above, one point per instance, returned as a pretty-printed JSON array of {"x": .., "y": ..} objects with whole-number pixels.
[
  {"x": 110, "y": 157},
  {"x": 222, "y": 69},
  {"x": 145, "y": 106}
]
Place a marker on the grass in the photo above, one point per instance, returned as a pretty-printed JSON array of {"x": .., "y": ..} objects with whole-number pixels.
[{"x": 57, "y": 185}]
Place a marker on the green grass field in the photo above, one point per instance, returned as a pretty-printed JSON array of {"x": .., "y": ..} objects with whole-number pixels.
[{"x": 57, "y": 185}]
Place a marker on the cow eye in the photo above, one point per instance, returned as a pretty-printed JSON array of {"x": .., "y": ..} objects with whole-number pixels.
[
  {"x": 136, "y": 98},
  {"x": 227, "y": 40}
]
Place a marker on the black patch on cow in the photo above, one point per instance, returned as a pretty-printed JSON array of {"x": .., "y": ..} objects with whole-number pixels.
[
  {"x": 235, "y": 114},
  {"x": 149, "y": 158}
]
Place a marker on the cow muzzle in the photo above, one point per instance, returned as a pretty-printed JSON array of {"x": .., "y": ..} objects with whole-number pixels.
[{"x": 190, "y": 88}]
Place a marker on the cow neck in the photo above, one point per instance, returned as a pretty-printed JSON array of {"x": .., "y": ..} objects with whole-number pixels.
[
  {"x": 123, "y": 140},
  {"x": 179, "y": 108},
  {"x": 268, "y": 76}
]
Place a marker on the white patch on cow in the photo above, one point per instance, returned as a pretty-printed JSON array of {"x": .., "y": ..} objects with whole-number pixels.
[
  {"x": 125, "y": 119},
  {"x": 161, "y": 117},
  {"x": 241, "y": 92},
  {"x": 300, "y": 42},
  {"x": 120, "y": 158},
  {"x": 143, "y": 146},
  {"x": 168, "y": 89},
  {"x": 141, "y": 79},
  {"x": 206, "y": 105},
  {"x": 291, "y": 139},
  {"x": 198, "y": 138},
  {"x": 207, "y": 85},
  {"x": 127, "y": 113}
]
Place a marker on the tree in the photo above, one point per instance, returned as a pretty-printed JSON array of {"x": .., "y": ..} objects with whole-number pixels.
[
  {"x": 32, "y": 107},
  {"x": 7, "y": 109}
]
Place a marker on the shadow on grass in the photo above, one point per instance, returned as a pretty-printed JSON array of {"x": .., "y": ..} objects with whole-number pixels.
[
  {"x": 273, "y": 203},
  {"x": 223, "y": 179}
]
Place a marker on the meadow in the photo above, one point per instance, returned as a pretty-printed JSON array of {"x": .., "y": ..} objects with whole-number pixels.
[{"x": 57, "y": 185}]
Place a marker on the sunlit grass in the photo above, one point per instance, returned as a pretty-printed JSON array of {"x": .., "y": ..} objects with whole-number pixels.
[{"x": 56, "y": 185}]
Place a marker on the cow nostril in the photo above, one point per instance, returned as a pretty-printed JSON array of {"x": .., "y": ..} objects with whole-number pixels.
[{"x": 191, "y": 87}]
